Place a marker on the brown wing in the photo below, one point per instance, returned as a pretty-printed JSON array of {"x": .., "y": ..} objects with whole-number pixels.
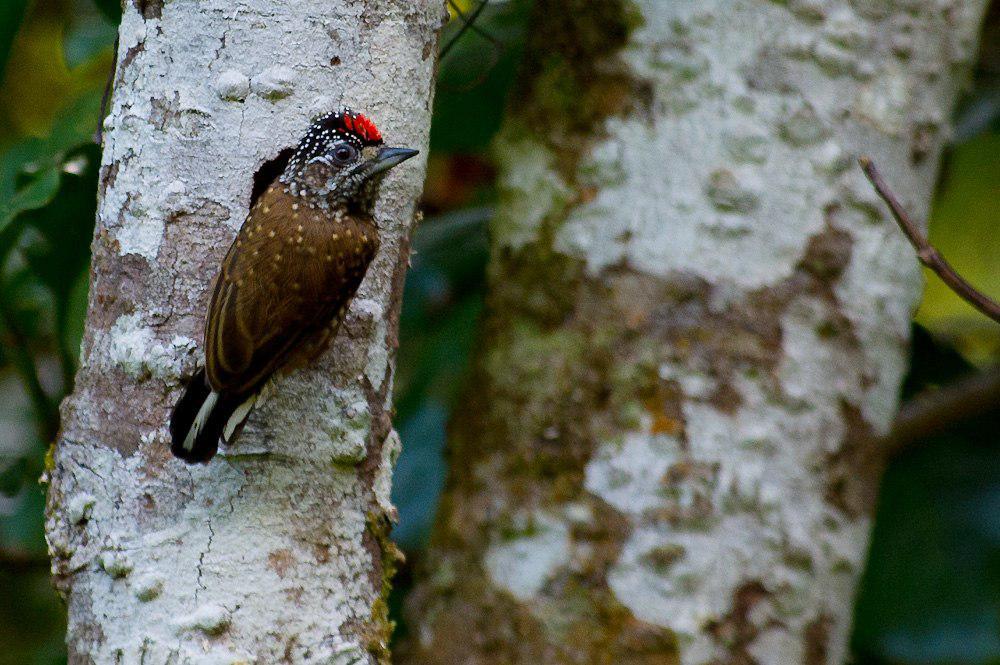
[{"x": 288, "y": 273}]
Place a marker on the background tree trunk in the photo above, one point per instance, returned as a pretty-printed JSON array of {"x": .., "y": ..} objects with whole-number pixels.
[
  {"x": 698, "y": 317},
  {"x": 278, "y": 550}
]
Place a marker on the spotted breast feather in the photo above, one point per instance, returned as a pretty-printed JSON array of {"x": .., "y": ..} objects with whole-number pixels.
[
  {"x": 285, "y": 281},
  {"x": 289, "y": 271},
  {"x": 288, "y": 277}
]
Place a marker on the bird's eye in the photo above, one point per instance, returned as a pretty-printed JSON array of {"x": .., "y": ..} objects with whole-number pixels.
[{"x": 344, "y": 153}]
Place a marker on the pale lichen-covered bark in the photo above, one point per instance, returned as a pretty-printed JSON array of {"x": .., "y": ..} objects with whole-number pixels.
[
  {"x": 277, "y": 550},
  {"x": 698, "y": 317}
]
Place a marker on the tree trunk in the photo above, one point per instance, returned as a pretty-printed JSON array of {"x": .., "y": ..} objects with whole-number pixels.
[
  {"x": 276, "y": 551},
  {"x": 698, "y": 318}
]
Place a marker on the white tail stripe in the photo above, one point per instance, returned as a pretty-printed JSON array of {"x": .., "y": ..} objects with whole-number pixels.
[
  {"x": 199, "y": 420},
  {"x": 240, "y": 415}
]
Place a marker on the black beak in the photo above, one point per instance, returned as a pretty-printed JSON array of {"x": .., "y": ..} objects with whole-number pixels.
[{"x": 389, "y": 157}]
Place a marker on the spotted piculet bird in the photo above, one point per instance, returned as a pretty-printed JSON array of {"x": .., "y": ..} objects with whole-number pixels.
[{"x": 288, "y": 277}]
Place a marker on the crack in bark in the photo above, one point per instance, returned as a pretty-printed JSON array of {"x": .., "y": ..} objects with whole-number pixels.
[
  {"x": 201, "y": 558},
  {"x": 153, "y": 257}
]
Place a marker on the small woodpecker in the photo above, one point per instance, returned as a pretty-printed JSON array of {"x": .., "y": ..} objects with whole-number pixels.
[{"x": 288, "y": 277}]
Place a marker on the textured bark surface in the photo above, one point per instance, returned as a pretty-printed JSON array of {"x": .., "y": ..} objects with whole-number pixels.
[
  {"x": 698, "y": 312},
  {"x": 277, "y": 550}
]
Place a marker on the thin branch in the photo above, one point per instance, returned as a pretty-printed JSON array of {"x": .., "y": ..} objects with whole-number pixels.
[
  {"x": 929, "y": 256},
  {"x": 439, "y": 232},
  {"x": 934, "y": 411},
  {"x": 468, "y": 23},
  {"x": 16, "y": 562}
]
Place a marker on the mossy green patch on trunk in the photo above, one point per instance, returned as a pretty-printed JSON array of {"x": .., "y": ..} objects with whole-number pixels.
[
  {"x": 545, "y": 375},
  {"x": 378, "y": 631}
]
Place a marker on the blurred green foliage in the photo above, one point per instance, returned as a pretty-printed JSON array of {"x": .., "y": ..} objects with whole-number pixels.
[
  {"x": 931, "y": 593},
  {"x": 967, "y": 209},
  {"x": 441, "y": 305},
  {"x": 11, "y": 15},
  {"x": 964, "y": 229},
  {"x": 54, "y": 57}
]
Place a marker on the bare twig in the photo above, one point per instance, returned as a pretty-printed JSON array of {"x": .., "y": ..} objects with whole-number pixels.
[
  {"x": 929, "y": 256},
  {"x": 468, "y": 23},
  {"x": 17, "y": 562},
  {"x": 934, "y": 411}
]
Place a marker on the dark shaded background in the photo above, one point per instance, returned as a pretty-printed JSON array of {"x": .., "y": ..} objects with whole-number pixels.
[{"x": 931, "y": 593}]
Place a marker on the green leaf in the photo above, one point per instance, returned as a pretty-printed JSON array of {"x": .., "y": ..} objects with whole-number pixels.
[
  {"x": 88, "y": 33},
  {"x": 65, "y": 225},
  {"x": 442, "y": 304},
  {"x": 56, "y": 251},
  {"x": 419, "y": 475},
  {"x": 31, "y": 170},
  {"x": 11, "y": 15},
  {"x": 75, "y": 316},
  {"x": 22, "y": 528},
  {"x": 111, "y": 9},
  {"x": 475, "y": 77},
  {"x": 931, "y": 590},
  {"x": 12, "y": 477},
  {"x": 22, "y": 193}
]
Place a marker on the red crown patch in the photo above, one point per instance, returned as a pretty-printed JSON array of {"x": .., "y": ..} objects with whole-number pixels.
[{"x": 362, "y": 126}]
